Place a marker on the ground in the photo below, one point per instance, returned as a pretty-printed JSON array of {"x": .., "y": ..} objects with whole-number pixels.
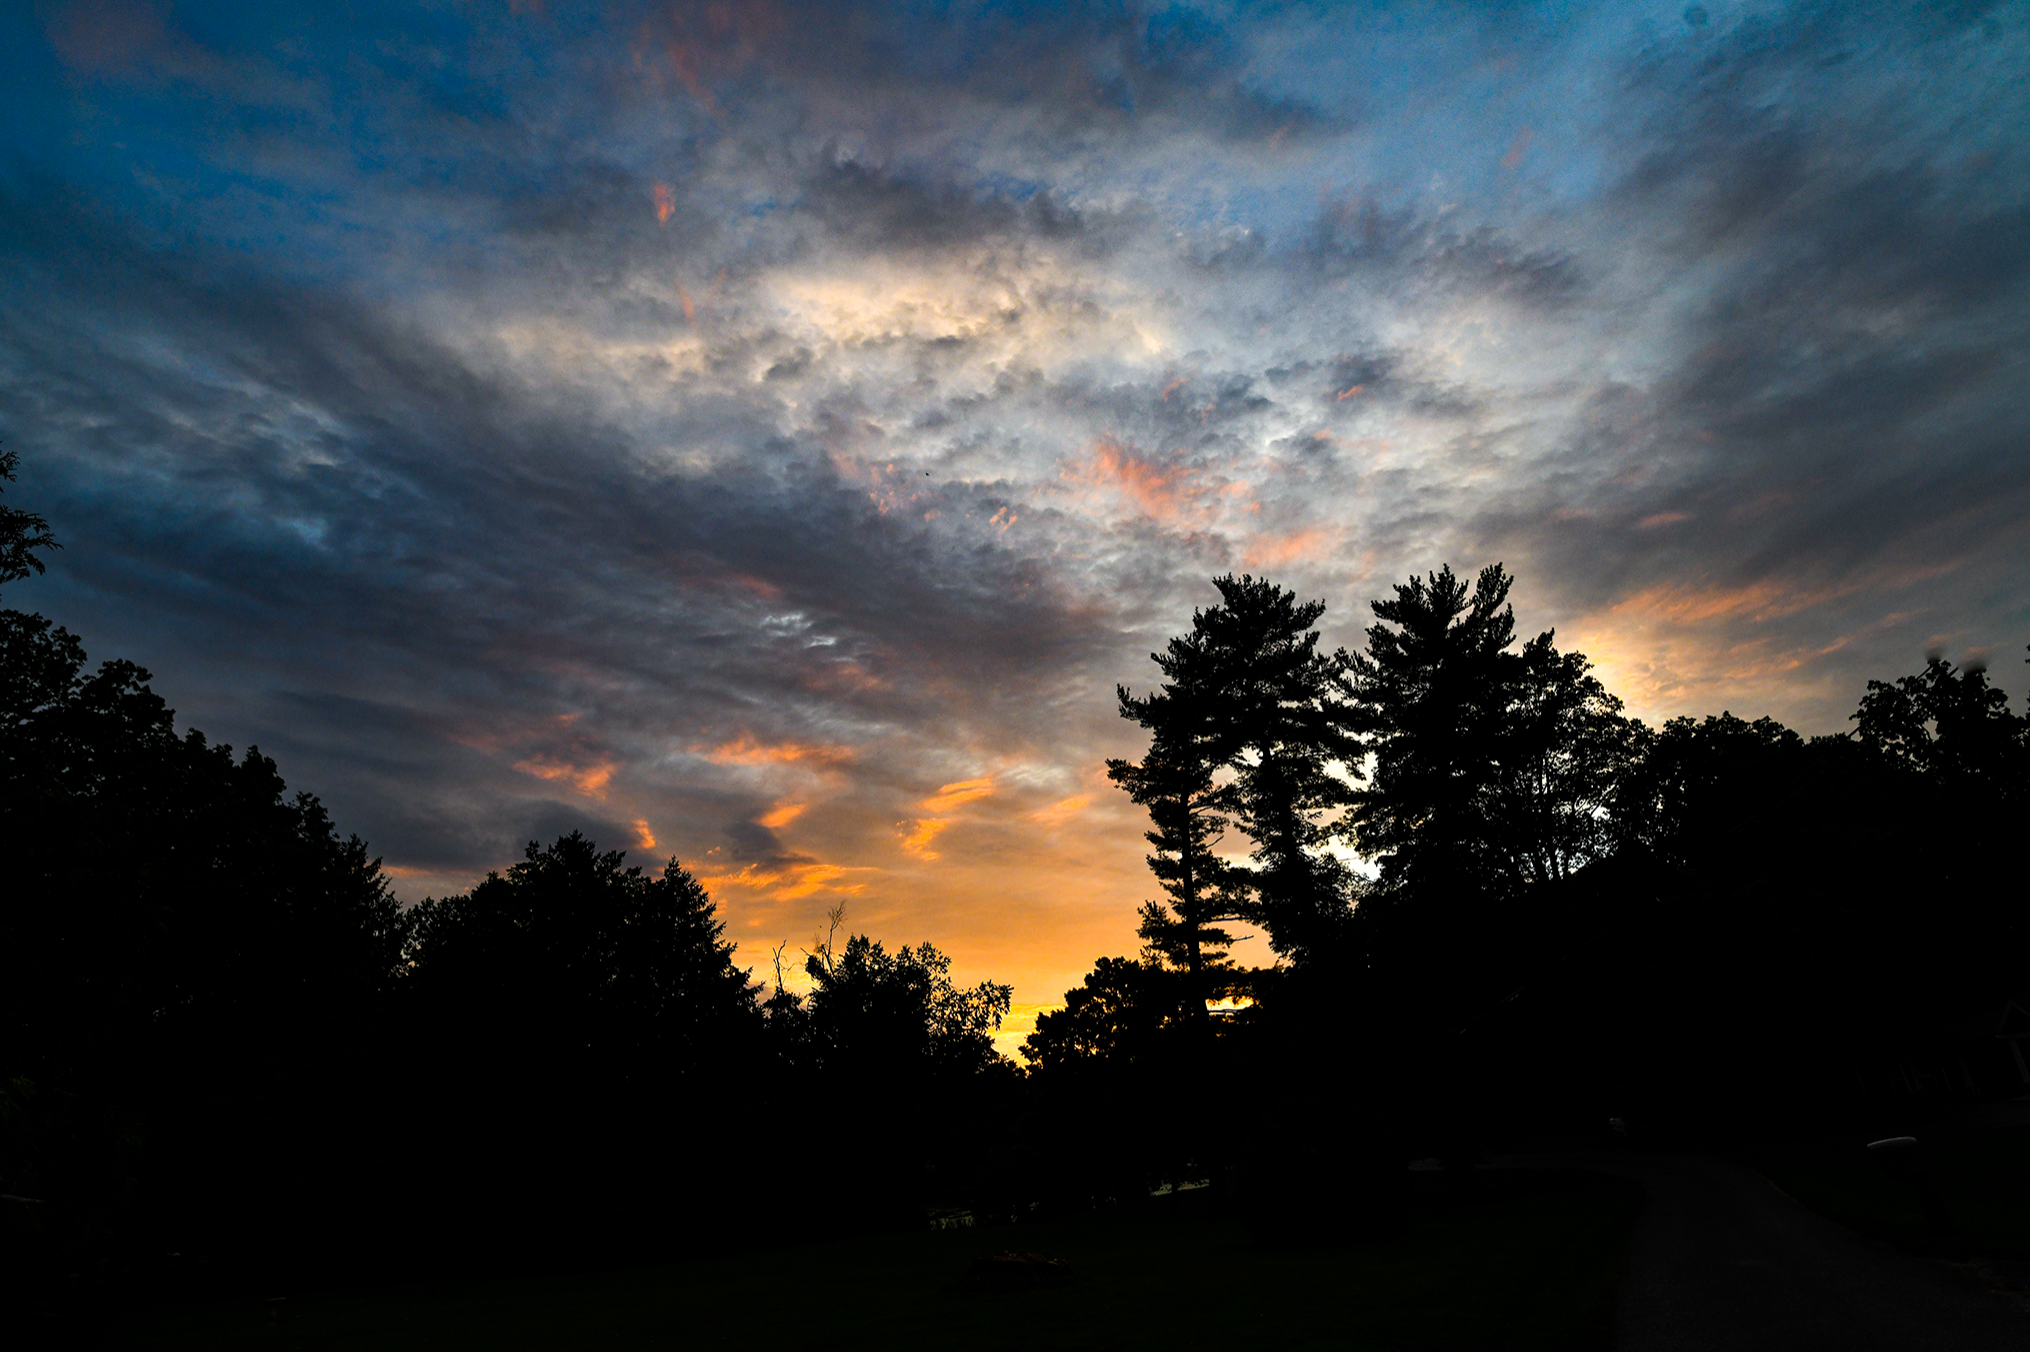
[{"x": 1518, "y": 1261}]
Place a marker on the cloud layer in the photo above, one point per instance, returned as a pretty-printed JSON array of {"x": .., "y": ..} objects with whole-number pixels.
[{"x": 766, "y": 433}]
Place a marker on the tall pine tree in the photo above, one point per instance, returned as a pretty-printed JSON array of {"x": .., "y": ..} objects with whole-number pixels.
[{"x": 1245, "y": 733}]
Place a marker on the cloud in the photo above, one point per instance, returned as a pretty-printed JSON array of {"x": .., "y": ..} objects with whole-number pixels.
[
  {"x": 589, "y": 780},
  {"x": 738, "y": 418},
  {"x": 746, "y": 750},
  {"x": 781, "y": 815},
  {"x": 1164, "y": 493},
  {"x": 917, "y": 834},
  {"x": 1062, "y": 811},
  {"x": 958, "y": 794}
]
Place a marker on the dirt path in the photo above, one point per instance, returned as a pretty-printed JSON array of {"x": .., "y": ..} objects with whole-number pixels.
[{"x": 1723, "y": 1260}]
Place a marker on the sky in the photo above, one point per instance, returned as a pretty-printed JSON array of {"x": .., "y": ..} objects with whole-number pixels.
[{"x": 765, "y": 433}]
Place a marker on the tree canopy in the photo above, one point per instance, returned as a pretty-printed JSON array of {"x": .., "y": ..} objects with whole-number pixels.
[
  {"x": 1491, "y": 769},
  {"x": 1245, "y": 732},
  {"x": 219, "y": 1030},
  {"x": 22, "y": 533}
]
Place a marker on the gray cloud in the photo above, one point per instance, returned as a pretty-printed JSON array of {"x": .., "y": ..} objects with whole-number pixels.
[{"x": 747, "y": 432}]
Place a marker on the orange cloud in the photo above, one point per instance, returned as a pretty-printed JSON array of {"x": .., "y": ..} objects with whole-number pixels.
[
  {"x": 1349, "y": 392},
  {"x": 1766, "y": 599},
  {"x": 1266, "y": 551},
  {"x": 952, "y": 795},
  {"x": 811, "y": 878},
  {"x": 782, "y": 815},
  {"x": 918, "y": 834},
  {"x": 1667, "y": 647},
  {"x": 644, "y": 839},
  {"x": 1162, "y": 492},
  {"x": 747, "y": 750},
  {"x": 785, "y": 882},
  {"x": 1058, "y": 813},
  {"x": 666, "y": 203},
  {"x": 589, "y": 780},
  {"x": 1662, "y": 519}
]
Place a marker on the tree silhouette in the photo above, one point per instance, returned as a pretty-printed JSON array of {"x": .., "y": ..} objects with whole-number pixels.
[
  {"x": 1118, "y": 1019},
  {"x": 1130, "y": 1060},
  {"x": 898, "y": 1015},
  {"x": 1245, "y": 732},
  {"x": 584, "y": 958},
  {"x": 574, "y": 1021},
  {"x": 1188, "y": 807},
  {"x": 1428, "y": 700},
  {"x": 1290, "y": 753},
  {"x": 1696, "y": 780},
  {"x": 900, "y": 1063},
  {"x": 191, "y": 958},
  {"x": 1562, "y": 749},
  {"x": 1184, "y": 806},
  {"x": 1493, "y": 769},
  {"x": 21, "y": 532},
  {"x": 1947, "y": 723}
]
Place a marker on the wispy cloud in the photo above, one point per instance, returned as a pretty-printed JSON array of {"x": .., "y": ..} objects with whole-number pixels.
[{"x": 709, "y": 427}]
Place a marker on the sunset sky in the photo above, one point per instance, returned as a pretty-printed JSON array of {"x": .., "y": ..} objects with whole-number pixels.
[{"x": 765, "y": 433}]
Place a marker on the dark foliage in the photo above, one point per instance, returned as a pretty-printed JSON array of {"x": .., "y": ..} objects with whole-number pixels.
[
  {"x": 1492, "y": 768},
  {"x": 896, "y": 1055},
  {"x": 573, "y": 960},
  {"x": 1244, "y": 731},
  {"x": 21, "y": 533},
  {"x": 220, "y": 1037},
  {"x": 1134, "y": 1059},
  {"x": 193, "y": 967},
  {"x": 1710, "y": 927},
  {"x": 577, "y": 1029}
]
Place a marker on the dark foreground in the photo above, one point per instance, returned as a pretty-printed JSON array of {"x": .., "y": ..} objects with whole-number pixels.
[
  {"x": 1722, "y": 1258},
  {"x": 1515, "y": 1260}
]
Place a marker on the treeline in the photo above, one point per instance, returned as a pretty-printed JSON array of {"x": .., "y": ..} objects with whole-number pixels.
[
  {"x": 227, "y": 1056},
  {"x": 224, "y": 1047},
  {"x": 1707, "y": 932}
]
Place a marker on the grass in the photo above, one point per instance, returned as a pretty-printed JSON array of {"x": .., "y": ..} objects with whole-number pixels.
[
  {"x": 1512, "y": 1261},
  {"x": 1982, "y": 1178}
]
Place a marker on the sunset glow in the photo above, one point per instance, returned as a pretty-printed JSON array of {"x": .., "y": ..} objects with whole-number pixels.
[{"x": 766, "y": 435}]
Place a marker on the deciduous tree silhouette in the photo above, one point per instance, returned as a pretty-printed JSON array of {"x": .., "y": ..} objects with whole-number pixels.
[
  {"x": 1563, "y": 749},
  {"x": 573, "y": 957},
  {"x": 576, "y": 1027},
  {"x": 1120, "y": 1018},
  {"x": 898, "y": 1015},
  {"x": 185, "y": 949},
  {"x": 900, "y": 1061},
  {"x": 1947, "y": 723},
  {"x": 21, "y": 532},
  {"x": 1130, "y": 1062}
]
